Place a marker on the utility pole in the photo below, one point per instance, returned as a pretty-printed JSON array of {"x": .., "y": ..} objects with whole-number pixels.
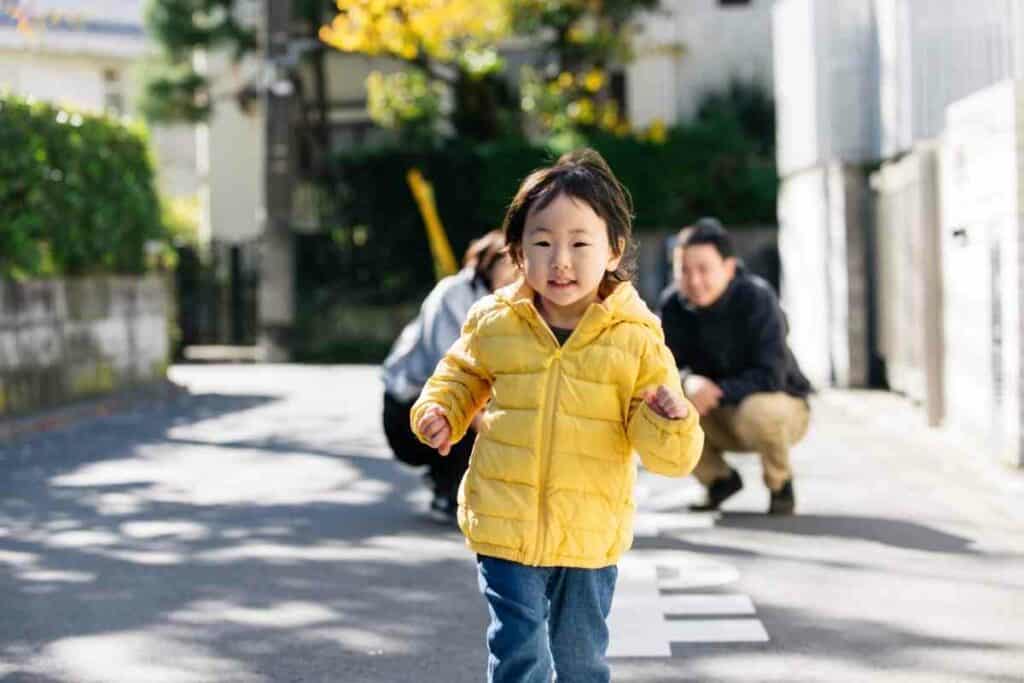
[{"x": 277, "y": 260}]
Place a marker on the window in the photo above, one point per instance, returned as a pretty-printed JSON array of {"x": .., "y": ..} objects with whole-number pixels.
[{"x": 113, "y": 98}]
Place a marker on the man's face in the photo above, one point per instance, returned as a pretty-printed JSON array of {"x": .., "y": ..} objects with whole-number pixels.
[{"x": 703, "y": 274}]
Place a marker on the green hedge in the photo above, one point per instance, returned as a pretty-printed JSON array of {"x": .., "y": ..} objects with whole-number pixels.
[
  {"x": 77, "y": 193},
  {"x": 711, "y": 167}
]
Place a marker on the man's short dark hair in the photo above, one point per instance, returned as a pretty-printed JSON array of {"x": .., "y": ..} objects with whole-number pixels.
[{"x": 709, "y": 230}]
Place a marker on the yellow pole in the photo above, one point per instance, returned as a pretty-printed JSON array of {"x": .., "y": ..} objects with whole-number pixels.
[{"x": 444, "y": 259}]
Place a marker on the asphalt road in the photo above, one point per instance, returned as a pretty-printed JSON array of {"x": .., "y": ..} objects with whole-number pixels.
[{"x": 257, "y": 530}]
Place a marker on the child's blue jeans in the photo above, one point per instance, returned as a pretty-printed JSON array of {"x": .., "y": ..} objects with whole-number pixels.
[{"x": 544, "y": 616}]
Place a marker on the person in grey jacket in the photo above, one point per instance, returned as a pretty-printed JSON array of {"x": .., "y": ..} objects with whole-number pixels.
[{"x": 418, "y": 349}]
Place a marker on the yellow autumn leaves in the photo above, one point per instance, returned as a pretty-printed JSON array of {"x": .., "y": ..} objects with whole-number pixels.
[
  {"x": 403, "y": 28},
  {"x": 465, "y": 33}
]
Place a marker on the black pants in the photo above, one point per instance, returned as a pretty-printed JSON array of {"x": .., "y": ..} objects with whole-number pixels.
[{"x": 445, "y": 471}]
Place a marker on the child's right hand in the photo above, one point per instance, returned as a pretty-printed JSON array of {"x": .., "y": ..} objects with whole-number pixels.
[
  {"x": 666, "y": 403},
  {"x": 434, "y": 426}
]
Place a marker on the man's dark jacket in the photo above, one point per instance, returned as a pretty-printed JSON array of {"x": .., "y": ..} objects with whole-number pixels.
[{"x": 738, "y": 342}]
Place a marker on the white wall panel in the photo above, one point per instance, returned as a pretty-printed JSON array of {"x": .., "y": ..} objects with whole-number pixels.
[
  {"x": 981, "y": 258},
  {"x": 826, "y": 83},
  {"x": 934, "y": 52}
]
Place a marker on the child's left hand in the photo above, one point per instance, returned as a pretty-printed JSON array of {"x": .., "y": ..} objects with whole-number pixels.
[{"x": 667, "y": 403}]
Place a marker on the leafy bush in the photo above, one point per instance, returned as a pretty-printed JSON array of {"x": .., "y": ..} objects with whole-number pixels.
[
  {"x": 710, "y": 167},
  {"x": 77, "y": 193}
]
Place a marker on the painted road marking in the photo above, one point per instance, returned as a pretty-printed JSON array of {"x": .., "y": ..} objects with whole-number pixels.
[
  {"x": 710, "y": 604},
  {"x": 639, "y": 622},
  {"x": 651, "y": 524}
]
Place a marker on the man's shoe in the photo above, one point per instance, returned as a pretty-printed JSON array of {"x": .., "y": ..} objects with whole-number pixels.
[
  {"x": 719, "y": 491},
  {"x": 443, "y": 509},
  {"x": 783, "y": 501}
]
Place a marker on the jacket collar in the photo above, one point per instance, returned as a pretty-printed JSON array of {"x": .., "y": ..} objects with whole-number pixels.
[{"x": 622, "y": 305}]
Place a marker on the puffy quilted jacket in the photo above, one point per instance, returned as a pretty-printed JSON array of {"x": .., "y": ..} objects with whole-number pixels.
[{"x": 551, "y": 478}]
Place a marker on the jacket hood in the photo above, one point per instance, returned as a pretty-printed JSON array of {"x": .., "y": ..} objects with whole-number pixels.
[{"x": 622, "y": 305}]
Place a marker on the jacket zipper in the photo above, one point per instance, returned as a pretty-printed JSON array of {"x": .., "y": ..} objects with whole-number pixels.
[
  {"x": 545, "y": 462},
  {"x": 551, "y": 400}
]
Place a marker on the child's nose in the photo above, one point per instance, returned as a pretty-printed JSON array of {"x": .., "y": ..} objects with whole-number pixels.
[{"x": 560, "y": 258}]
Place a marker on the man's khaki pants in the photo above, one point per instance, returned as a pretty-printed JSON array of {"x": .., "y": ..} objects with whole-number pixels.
[{"x": 765, "y": 423}]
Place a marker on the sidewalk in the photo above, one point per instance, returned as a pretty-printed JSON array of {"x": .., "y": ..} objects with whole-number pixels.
[
  {"x": 890, "y": 426},
  {"x": 873, "y": 440}
]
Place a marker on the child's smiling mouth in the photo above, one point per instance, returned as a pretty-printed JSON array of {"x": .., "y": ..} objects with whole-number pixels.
[{"x": 561, "y": 284}]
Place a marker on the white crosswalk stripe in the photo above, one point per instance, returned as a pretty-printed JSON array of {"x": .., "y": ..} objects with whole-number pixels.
[
  {"x": 646, "y": 619},
  {"x": 710, "y": 604}
]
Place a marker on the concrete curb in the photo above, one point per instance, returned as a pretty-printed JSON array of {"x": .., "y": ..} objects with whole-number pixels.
[{"x": 16, "y": 427}]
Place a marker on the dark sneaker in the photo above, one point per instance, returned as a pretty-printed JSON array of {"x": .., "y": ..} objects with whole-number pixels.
[
  {"x": 719, "y": 491},
  {"x": 783, "y": 500},
  {"x": 442, "y": 509}
]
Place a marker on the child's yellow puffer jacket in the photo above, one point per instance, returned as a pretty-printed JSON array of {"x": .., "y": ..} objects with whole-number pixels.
[{"x": 551, "y": 478}]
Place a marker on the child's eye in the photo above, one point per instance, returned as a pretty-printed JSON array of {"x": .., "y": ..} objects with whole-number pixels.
[
  {"x": 581, "y": 244},
  {"x": 542, "y": 243}
]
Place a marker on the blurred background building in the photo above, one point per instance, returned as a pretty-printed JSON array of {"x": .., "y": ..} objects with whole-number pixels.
[
  {"x": 87, "y": 55},
  {"x": 865, "y": 151},
  {"x": 898, "y": 148}
]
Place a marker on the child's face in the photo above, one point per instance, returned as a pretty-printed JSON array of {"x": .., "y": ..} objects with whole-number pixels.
[{"x": 565, "y": 255}]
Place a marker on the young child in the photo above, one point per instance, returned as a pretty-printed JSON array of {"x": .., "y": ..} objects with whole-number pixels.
[{"x": 578, "y": 375}]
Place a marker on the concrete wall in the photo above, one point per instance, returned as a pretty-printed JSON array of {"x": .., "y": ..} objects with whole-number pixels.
[
  {"x": 65, "y": 339},
  {"x": 908, "y": 296},
  {"x": 982, "y": 189},
  {"x": 826, "y": 83},
  {"x": 718, "y": 42},
  {"x": 823, "y": 250},
  {"x": 934, "y": 52}
]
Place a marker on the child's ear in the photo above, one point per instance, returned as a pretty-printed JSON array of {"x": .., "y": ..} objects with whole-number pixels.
[{"x": 616, "y": 257}]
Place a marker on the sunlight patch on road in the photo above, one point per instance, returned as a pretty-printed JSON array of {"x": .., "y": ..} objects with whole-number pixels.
[
  {"x": 56, "y": 576},
  {"x": 17, "y": 559},
  {"x": 163, "y": 529},
  {"x": 358, "y": 639},
  {"x": 130, "y": 657},
  {"x": 153, "y": 558},
  {"x": 27, "y": 567},
  {"x": 294, "y": 614},
  {"x": 275, "y": 553},
  {"x": 83, "y": 538},
  {"x": 391, "y": 549},
  {"x": 229, "y": 476}
]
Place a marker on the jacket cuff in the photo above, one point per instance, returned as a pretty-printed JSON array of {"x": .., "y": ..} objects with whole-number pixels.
[
  {"x": 458, "y": 426},
  {"x": 732, "y": 395}
]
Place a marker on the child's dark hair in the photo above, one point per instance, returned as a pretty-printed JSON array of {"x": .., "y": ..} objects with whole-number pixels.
[
  {"x": 586, "y": 176},
  {"x": 708, "y": 230}
]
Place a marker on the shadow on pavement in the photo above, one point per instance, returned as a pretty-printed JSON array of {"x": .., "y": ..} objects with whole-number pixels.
[
  {"x": 142, "y": 547},
  {"x": 892, "y": 532}
]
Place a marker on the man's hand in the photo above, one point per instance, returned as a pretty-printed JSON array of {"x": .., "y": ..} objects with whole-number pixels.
[
  {"x": 704, "y": 393},
  {"x": 666, "y": 403},
  {"x": 435, "y": 427}
]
